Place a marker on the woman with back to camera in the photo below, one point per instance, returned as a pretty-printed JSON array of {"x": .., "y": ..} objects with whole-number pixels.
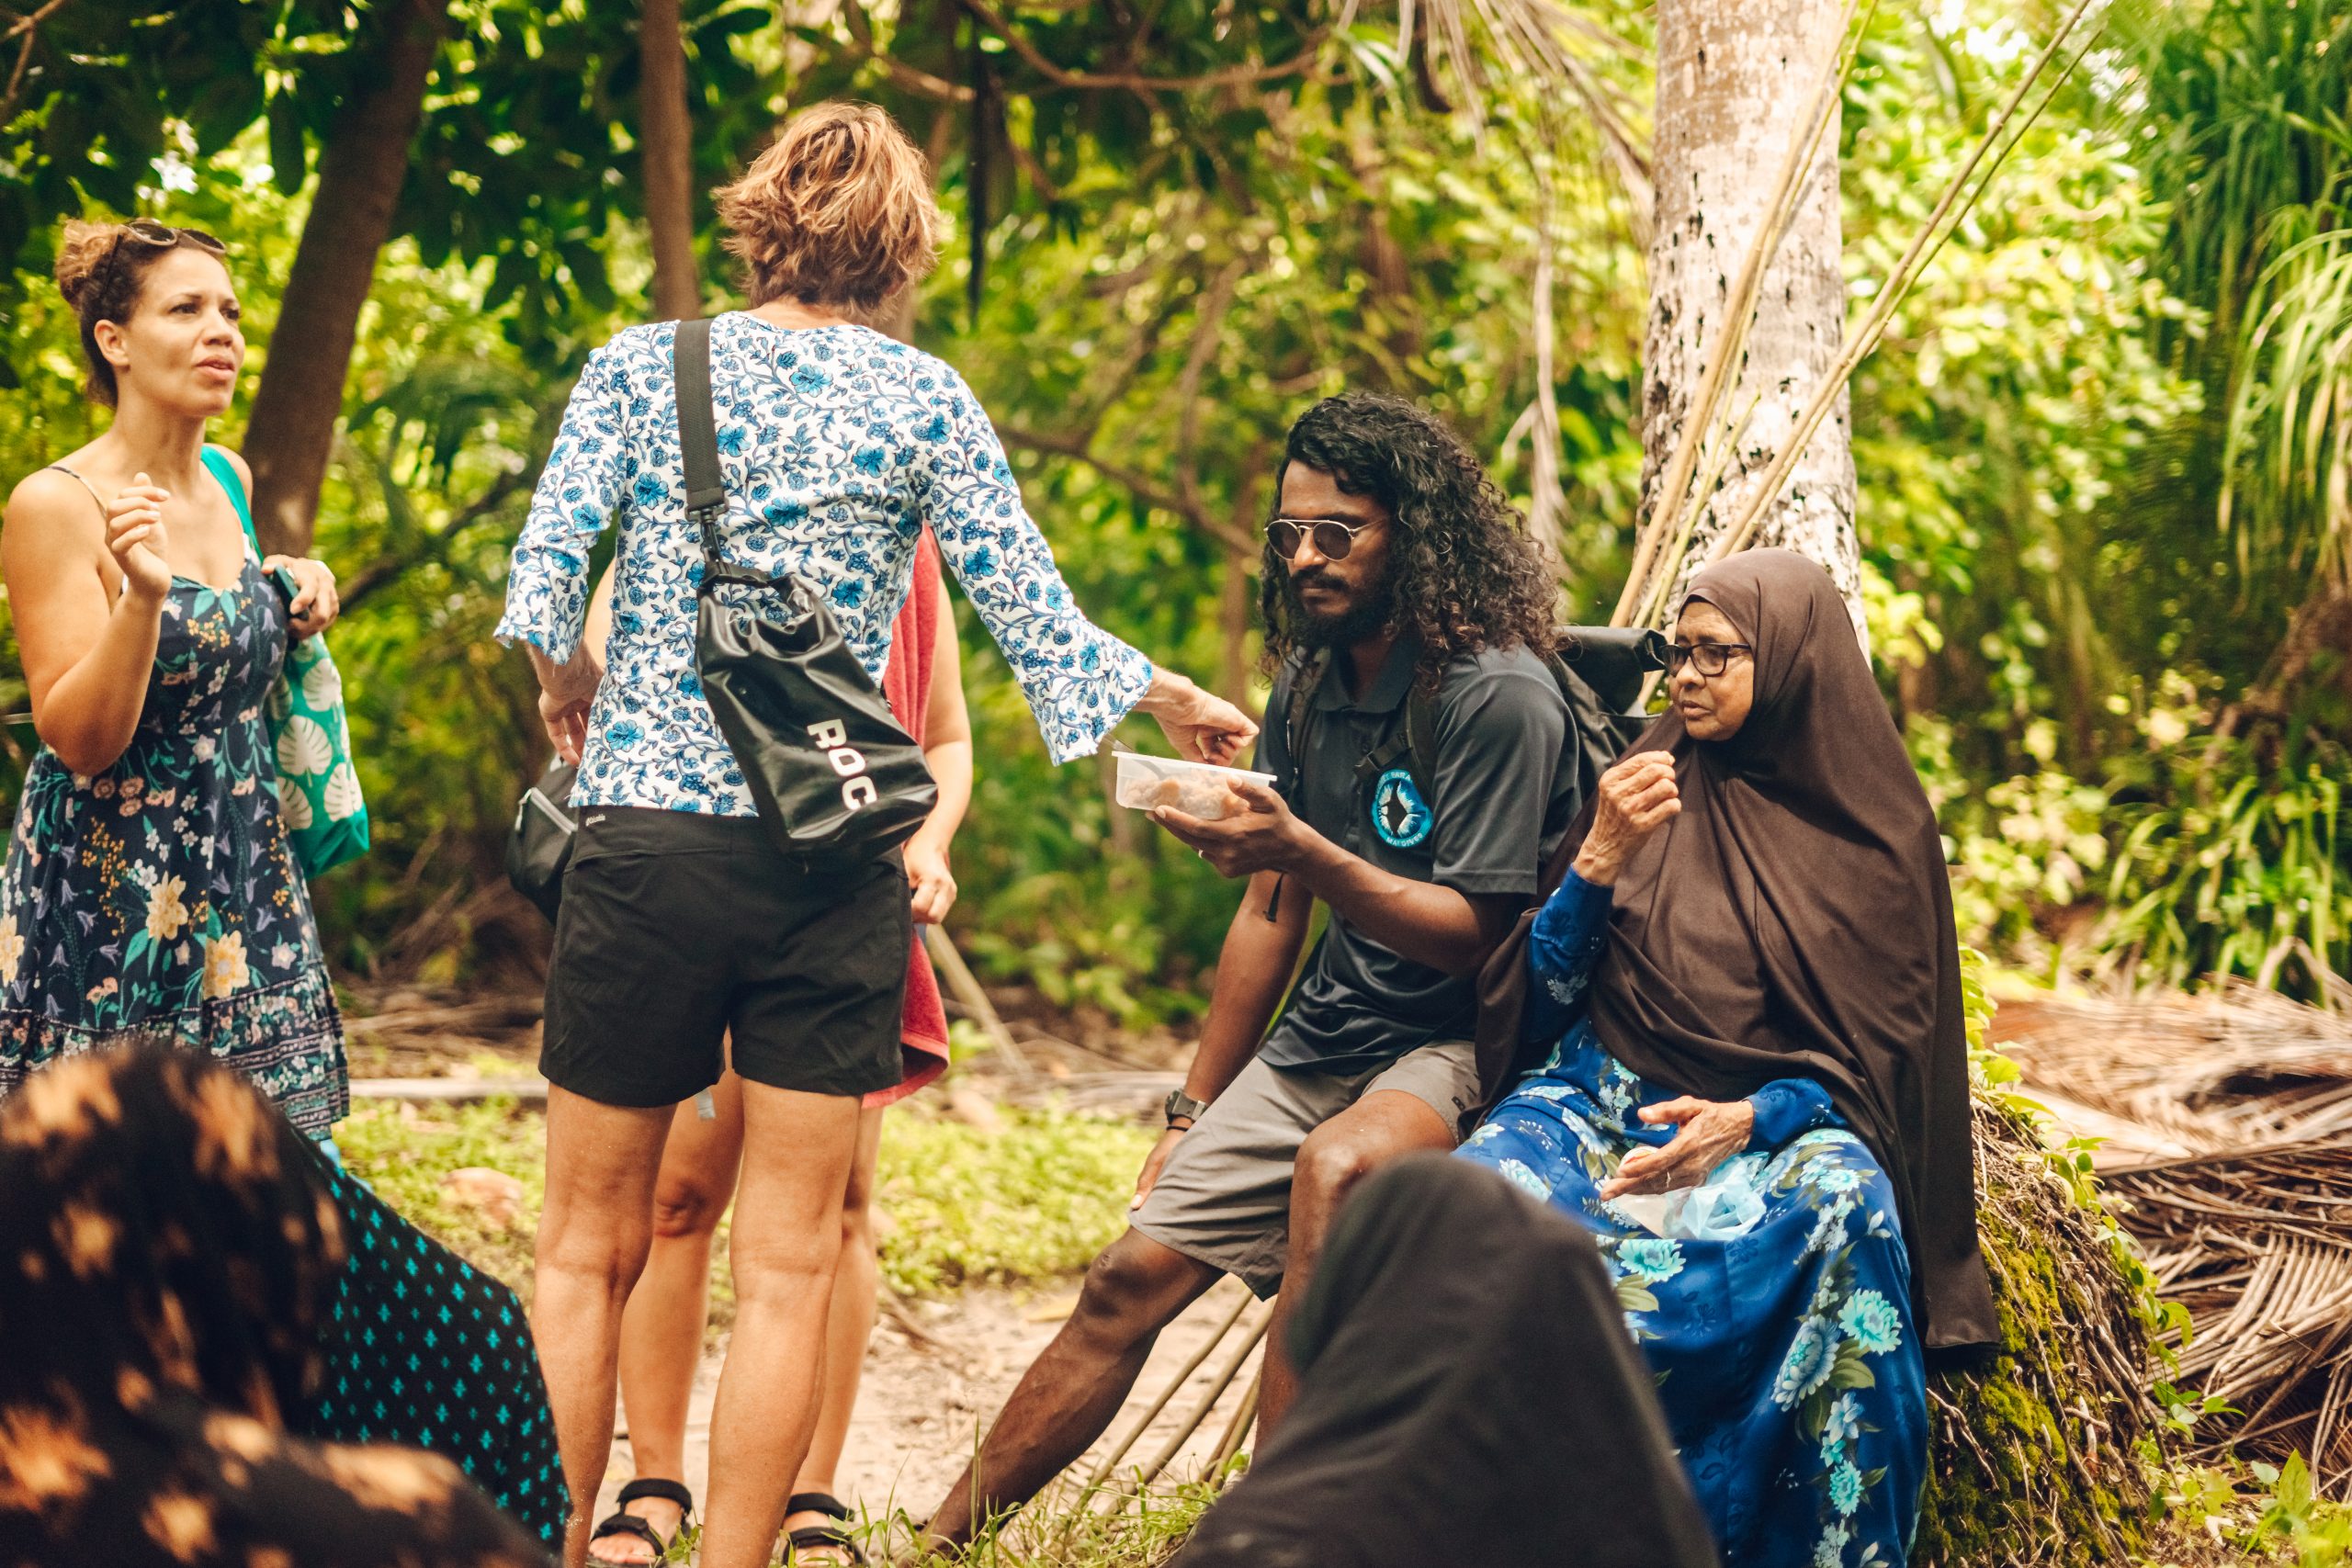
[
  {"x": 681, "y": 925},
  {"x": 151, "y": 887}
]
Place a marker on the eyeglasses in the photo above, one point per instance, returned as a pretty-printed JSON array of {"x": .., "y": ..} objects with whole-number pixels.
[
  {"x": 1710, "y": 659},
  {"x": 1333, "y": 540}
]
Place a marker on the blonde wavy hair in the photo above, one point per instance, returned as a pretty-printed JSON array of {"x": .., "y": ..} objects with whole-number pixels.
[{"x": 838, "y": 211}]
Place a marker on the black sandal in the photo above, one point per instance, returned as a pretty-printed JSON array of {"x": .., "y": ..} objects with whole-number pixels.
[
  {"x": 808, "y": 1537},
  {"x": 623, "y": 1522}
]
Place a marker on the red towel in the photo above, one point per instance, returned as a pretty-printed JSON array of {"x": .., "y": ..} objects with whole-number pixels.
[{"x": 905, "y": 684}]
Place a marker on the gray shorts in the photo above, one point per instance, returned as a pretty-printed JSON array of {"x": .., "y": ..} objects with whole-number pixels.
[{"x": 1224, "y": 1195}]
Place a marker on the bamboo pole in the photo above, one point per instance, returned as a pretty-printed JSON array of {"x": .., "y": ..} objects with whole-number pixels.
[
  {"x": 1176, "y": 1439},
  {"x": 966, "y": 988},
  {"x": 1236, "y": 1431},
  {"x": 1929, "y": 240},
  {"x": 1110, "y": 1461}
]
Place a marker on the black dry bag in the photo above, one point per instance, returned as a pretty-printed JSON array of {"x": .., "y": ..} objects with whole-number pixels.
[{"x": 834, "y": 777}]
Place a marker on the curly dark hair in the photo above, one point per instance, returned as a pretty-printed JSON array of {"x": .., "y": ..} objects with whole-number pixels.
[{"x": 1465, "y": 574}]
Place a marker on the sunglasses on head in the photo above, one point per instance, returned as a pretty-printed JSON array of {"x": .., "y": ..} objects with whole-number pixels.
[
  {"x": 1333, "y": 540},
  {"x": 1707, "y": 658},
  {"x": 147, "y": 231}
]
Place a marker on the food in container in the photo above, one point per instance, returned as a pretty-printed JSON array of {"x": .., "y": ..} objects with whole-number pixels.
[{"x": 1197, "y": 789}]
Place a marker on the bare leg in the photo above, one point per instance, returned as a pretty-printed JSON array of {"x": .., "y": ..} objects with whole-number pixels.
[
  {"x": 593, "y": 1233},
  {"x": 847, "y": 1330},
  {"x": 1132, "y": 1290},
  {"x": 661, "y": 1331},
  {"x": 798, "y": 1149},
  {"x": 1376, "y": 1129}
]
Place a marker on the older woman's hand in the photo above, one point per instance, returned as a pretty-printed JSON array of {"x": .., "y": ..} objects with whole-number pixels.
[
  {"x": 1202, "y": 726},
  {"x": 1636, "y": 797},
  {"x": 1711, "y": 1132}
]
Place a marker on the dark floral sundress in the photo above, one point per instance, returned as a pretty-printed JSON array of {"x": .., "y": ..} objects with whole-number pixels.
[{"x": 161, "y": 897}]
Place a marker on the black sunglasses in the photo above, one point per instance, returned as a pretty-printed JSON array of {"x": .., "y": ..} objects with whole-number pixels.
[
  {"x": 1710, "y": 659},
  {"x": 1333, "y": 540}
]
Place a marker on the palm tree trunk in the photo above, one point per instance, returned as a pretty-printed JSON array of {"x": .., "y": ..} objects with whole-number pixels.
[
  {"x": 361, "y": 169},
  {"x": 1734, "y": 77},
  {"x": 668, "y": 136}
]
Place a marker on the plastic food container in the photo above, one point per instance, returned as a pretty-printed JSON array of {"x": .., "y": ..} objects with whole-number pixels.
[{"x": 1196, "y": 789}]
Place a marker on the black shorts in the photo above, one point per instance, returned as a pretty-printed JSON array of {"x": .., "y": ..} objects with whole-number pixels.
[{"x": 678, "y": 929}]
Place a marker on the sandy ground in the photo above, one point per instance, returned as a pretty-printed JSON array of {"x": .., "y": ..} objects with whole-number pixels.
[{"x": 921, "y": 1405}]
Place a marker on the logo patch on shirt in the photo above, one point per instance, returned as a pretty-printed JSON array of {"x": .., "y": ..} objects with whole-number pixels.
[{"x": 1400, "y": 815}]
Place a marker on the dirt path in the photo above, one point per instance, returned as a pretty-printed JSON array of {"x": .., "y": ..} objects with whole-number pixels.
[{"x": 919, "y": 1408}]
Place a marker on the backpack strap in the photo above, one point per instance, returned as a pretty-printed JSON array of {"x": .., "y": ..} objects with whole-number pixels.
[
  {"x": 698, "y": 435},
  {"x": 216, "y": 463},
  {"x": 1299, "y": 714},
  {"x": 1414, "y": 741}
]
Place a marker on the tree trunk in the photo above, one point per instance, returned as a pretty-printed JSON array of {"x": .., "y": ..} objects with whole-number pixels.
[
  {"x": 360, "y": 172},
  {"x": 1732, "y": 81},
  {"x": 667, "y": 136}
]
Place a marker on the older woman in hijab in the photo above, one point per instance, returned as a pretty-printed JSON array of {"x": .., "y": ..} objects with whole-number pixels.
[
  {"x": 1758, "y": 1097},
  {"x": 167, "y": 1252}
]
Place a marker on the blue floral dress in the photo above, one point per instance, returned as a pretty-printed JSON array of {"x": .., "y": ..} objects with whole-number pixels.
[
  {"x": 161, "y": 897},
  {"x": 1773, "y": 1302}
]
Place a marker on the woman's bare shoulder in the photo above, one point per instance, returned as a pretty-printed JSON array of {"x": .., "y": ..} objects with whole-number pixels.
[{"x": 51, "y": 504}]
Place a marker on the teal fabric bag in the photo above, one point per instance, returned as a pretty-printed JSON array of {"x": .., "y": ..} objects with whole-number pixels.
[{"x": 318, "y": 789}]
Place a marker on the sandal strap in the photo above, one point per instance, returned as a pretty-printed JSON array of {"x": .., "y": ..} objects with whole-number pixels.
[
  {"x": 629, "y": 1525},
  {"x": 659, "y": 1490},
  {"x": 812, "y": 1536},
  {"x": 823, "y": 1503}
]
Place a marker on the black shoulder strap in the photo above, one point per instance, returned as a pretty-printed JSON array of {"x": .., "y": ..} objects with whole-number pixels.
[
  {"x": 697, "y": 435},
  {"x": 1300, "y": 714}
]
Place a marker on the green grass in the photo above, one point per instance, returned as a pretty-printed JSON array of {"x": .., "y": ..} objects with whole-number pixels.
[
  {"x": 961, "y": 1206},
  {"x": 1037, "y": 1200},
  {"x": 404, "y": 1151}
]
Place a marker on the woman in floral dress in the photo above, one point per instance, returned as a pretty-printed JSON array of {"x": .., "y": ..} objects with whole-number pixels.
[
  {"x": 1758, "y": 1097},
  {"x": 150, "y": 887}
]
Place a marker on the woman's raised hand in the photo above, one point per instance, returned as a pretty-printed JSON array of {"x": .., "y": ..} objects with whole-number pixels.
[
  {"x": 135, "y": 536},
  {"x": 1637, "y": 796},
  {"x": 1202, "y": 726}
]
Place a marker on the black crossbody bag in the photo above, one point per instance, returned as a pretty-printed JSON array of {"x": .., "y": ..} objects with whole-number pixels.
[{"x": 834, "y": 777}]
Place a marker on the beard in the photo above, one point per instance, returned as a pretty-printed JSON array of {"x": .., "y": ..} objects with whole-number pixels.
[{"x": 1367, "y": 616}]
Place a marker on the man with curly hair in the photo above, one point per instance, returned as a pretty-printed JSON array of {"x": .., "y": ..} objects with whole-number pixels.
[{"x": 1396, "y": 579}]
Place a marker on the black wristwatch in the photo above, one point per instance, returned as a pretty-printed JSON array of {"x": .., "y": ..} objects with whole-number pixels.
[{"x": 1179, "y": 1103}]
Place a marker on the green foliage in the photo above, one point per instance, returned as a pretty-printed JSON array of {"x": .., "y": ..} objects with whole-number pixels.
[
  {"x": 2270, "y": 1513},
  {"x": 969, "y": 1206},
  {"x": 1148, "y": 283},
  {"x": 406, "y": 1152}
]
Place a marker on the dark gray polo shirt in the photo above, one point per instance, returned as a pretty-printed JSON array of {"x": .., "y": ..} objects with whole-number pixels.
[{"x": 1502, "y": 805}]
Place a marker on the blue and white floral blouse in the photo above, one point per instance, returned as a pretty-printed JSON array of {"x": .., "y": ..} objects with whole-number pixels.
[{"x": 837, "y": 446}]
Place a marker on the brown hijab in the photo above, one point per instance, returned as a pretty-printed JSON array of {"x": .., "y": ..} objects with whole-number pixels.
[{"x": 1795, "y": 920}]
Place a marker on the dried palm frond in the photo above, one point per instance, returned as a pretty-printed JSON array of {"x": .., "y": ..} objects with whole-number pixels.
[{"x": 2247, "y": 1225}]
